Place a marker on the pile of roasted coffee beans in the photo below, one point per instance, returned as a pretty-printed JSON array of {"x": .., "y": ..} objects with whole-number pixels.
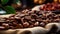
[
  {"x": 50, "y": 7},
  {"x": 29, "y": 19}
]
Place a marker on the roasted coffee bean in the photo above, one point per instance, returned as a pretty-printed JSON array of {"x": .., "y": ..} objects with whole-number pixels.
[
  {"x": 20, "y": 25},
  {"x": 32, "y": 19},
  {"x": 42, "y": 24},
  {"x": 50, "y": 7},
  {"x": 29, "y": 19},
  {"x": 11, "y": 27},
  {"x": 10, "y": 23},
  {"x": 31, "y": 26},
  {"x": 4, "y": 24},
  {"x": 36, "y": 24},
  {"x": 17, "y": 17},
  {"x": 2, "y": 28},
  {"x": 34, "y": 16},
  {"x": 39, "y": 20},
  {"x": 26, "y": 24}
]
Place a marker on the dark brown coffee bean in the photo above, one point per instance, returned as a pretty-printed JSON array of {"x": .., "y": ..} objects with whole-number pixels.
[
  {"x": 32, "y": 19},
  {"x": 11, "y": 27},
  {"x": 22, "y": 15},
  {"x": 20, "y": 25},
  {"x": 1, "y": 27},
  {"x": 27, "y": 17},
  {"x": 42, "y": 24},
  {"x": 17, "y": 17},
  {"x": 33, "y": 16},
  {"x": 26, "y": 24},
  {"x": 4, "y": 24},
  {"x": 57, "y": 20},
  {"x": 12, "y": 17},
  {"x": 31, "y": 26},
  {"x": 36, "y": 24}
]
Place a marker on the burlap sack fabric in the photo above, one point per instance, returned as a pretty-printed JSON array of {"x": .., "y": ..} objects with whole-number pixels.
[{"x": 34, "y": 30}]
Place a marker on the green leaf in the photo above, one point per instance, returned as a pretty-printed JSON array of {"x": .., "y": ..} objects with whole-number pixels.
[
  {"x": 9, "y": 10},
  {"x": 3, "y": 2}
]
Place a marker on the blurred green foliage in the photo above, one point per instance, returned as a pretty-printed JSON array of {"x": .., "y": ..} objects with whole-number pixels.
[{"x": 8, "y": 8}]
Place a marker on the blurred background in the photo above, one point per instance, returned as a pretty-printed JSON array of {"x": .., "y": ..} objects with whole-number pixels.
[{"x": 31, "y": 3}]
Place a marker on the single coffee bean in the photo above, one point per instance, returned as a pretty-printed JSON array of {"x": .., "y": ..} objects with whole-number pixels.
[
  {"x": 20, "y": 25},
  {"x": 36, "y": 24},
  {"x": 26, "y": 24},
  {"x": 31, "y": 26},
  {"x": 42, "y": 24},
  {"x": 2, "y": 28}
]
